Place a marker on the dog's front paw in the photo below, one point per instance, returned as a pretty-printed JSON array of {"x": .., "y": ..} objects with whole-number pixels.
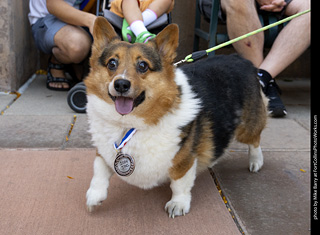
[
  {"x": 95, "y": 198},
  {"x": 178, "y": 206}
]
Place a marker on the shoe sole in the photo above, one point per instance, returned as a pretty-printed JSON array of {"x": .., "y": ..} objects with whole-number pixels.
[{"x": 278, "y": 113}]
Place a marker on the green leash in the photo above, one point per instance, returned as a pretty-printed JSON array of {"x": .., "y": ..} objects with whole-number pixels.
[{"x": 199, "y": 54}]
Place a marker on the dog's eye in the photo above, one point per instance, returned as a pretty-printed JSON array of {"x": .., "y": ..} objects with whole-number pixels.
[
  {"x": 112, "y": 64},
  {"x": 142, "y": 66}
]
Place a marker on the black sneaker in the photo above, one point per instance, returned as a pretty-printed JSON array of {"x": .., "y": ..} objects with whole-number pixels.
[{"x": 276, "y": 107}]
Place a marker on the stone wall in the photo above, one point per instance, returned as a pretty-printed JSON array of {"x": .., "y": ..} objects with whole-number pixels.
[{"x": 19, "y": 58}]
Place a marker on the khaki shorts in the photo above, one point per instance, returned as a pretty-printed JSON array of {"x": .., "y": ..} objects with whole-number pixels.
[{"x": 116, "y": 6}]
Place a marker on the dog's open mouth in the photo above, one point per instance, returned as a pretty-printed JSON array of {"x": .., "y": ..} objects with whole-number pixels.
[{"x": 125, "y": 105}]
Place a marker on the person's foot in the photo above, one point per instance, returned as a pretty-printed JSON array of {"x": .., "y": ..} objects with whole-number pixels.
[
  {"x": 56, "y": 78},
  {"x": 276, "y": 107},
  {"x": 127, "y": 34},
  {"x": 144, "y": 37},
  {"x": 272, "y": 91}
]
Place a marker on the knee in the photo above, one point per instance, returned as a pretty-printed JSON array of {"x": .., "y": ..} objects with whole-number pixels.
[
  {"x": 237, "y": 7},
  {"x": 129, "y": 2},
  {"x": 304, "y": 5},
  {"x": 78, "y": 48},
  {"x": 295, "y": 6}
]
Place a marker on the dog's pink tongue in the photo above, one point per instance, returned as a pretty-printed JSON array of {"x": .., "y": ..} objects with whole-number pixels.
[{"x": 124, "y": 105}]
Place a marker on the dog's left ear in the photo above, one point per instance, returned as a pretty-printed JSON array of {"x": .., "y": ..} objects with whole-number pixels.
[{"x": 167, "y": 42}]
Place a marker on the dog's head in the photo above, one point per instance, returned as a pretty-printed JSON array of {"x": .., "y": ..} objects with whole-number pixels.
[{"x": 138, "y": 79}]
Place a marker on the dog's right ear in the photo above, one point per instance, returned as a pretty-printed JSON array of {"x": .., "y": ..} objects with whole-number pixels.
[
  {"x": 167, "y": 42},
  {"x": 103, "y": 33}
]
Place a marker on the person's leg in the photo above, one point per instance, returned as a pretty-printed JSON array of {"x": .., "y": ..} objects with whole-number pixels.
[
  {"x": 131, "y": 11},
  {"x": 72, "y": 45},
  {"x": 291, "y": 42},
  {"x": 160, "y": 6},
  {"x": 133, "y": 24},
  {"x": 136, "y": 21},
  {"x": 242, "y": 18}
]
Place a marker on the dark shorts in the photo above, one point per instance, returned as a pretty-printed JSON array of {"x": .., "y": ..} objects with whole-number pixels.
[
  {"x": 44, "y": 31},
  {"x": 279, "y": 15}
]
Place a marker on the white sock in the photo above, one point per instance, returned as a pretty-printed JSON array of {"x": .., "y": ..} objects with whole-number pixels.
[
  {"x": 149, "y": 16},
  {"x": 138, "y": 27}
]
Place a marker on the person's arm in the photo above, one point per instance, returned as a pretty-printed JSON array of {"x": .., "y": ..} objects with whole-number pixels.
[
  {"x": 70, "y": 15},
  {"x": 272, "y": 5}
]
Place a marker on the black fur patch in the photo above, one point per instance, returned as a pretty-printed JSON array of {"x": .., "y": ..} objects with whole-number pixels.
[
  {"x": 109, "y": 52},
  {"x": 152, "y": 55},
  {"x": 222, "y": 83},
  {"x": 147, "y": 52}
]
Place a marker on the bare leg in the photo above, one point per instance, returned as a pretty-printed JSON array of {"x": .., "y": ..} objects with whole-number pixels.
[
  {"x": 160, "y": 6},
  {"x": 131, "y": 11},
  {"x": 72, "y": 46},
  {"x": 242, "y": 18},
  {"x": 292, "y": 41}
]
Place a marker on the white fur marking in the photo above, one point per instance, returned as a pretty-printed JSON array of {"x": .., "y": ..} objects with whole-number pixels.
[
  {"x": 153, "y": 146},
  {"x": 181, "y": 193},
  {"x": 99, "y": 184},
  {"x": 112, "y": 91},
  {"x": 255, "y": 158}
]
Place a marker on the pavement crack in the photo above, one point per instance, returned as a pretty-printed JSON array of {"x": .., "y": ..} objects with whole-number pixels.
[{"x": 226, "y": 202}]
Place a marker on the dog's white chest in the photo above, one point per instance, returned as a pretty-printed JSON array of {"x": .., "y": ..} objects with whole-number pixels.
[{"x": 152, "y": 151}]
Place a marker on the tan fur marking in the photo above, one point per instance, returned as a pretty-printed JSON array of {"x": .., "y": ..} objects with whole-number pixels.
[
  {"x": 195, "y": 146},
  {"x": 161, "y": 91},
  {"x": 98, "y": 154},
  {"x": 162, "y": 95},
  {"x": 205, "y": 147},
  {"x": 183, "y": 160},
  {"x": 253, "y": 121}
]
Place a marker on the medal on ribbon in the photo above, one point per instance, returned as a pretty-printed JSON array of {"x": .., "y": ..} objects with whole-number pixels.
[{"x": 124, "y": 163}]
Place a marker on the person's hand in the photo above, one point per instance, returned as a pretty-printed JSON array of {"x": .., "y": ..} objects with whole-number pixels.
[
  {"x": 91, "y": 23},
  {"x": 272, "y": 5}
]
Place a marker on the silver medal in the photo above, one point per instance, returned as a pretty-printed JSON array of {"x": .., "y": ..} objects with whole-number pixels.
[{"x": 124, "y": 164}]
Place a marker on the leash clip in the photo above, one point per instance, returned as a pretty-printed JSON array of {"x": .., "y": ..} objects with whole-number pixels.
[{"x": 192, "y": 57}]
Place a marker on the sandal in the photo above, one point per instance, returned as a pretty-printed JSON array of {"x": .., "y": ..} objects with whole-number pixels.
[
  {"x": 127, "y": 34},
  {"x": 144, "y": 37},
  {"x": 52, "y": 79}
]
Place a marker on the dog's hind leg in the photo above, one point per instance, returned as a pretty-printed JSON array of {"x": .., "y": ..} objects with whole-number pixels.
[
  {"x": 253, "y": 121},
  {"x": 251, "y": 137},
  {"x": 249, "y": 133},
  {"x": 255, "y": 158},
  {"x": 98, "y": 189}
]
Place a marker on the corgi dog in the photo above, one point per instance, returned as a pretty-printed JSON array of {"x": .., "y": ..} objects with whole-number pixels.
[{"x": 152, "y": 122}]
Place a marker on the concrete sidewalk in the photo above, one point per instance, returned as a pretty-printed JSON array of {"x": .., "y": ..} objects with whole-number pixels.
[{"x": 37, "y": 196}]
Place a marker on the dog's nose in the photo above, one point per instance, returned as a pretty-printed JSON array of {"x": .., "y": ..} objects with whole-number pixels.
[{"x": 122, "y": 85}]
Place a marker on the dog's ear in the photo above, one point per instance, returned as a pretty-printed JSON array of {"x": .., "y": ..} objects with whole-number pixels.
[
  {"x": 167, "y": 42},
  {"x": 103, "y": 33}
]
